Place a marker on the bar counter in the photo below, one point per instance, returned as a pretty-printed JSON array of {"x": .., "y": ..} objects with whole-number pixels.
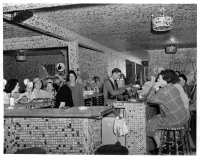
[
  {"x": 21, "y": 110},
  {"x": 74, "y": 131},
  {"x": 58, "y": 131}
]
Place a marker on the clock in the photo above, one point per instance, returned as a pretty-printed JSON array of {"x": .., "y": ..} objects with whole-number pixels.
[{"x": 60, "y": 67}]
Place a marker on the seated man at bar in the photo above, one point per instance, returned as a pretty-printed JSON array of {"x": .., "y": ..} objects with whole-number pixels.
[
  {"x": 173, "y": 111},
  {"x": 110, "y": 88}
]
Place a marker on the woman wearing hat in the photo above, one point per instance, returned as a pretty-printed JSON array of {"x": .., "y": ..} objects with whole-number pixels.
[{"x": 29, "y": 92}]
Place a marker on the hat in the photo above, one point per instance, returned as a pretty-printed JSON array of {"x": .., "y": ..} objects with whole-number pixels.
[
  {"x": 49, "y": 81},
  {"x": 30, "y": 84},
  {"x": 26, "y": 81},
  {"x": 36, "y": 80},
  {"x": 4, "y": 82}
]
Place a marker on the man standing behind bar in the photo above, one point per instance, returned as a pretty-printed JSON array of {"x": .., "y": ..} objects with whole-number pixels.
[{"x": 110, "y": 87}]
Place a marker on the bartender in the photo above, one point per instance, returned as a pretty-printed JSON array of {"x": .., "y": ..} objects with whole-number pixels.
[{"x": 110, "y": 88}]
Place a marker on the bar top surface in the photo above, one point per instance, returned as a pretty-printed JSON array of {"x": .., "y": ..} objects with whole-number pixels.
[{"x": 20, "y": 110}]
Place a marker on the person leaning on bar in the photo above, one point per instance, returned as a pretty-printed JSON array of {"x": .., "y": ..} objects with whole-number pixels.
[
  {"x": 173, "y": 111},
  {"x": 110, "y": 87}
]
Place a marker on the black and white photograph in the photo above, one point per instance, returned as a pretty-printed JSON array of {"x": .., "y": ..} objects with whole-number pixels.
[{"x": 92, "y": 78}]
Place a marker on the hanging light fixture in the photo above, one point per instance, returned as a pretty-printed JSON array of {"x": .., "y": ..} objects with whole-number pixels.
[
  {"x": 162, "y": 23},
  {"x": 171, "y": 48},
  {"x": 21, "y": 56}
]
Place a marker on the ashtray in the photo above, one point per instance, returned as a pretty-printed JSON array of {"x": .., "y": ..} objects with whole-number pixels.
[
  {"x": 132, "y": 100},
  {"x": 83, "y": 108},
  {"x": 10, "y": 107}
]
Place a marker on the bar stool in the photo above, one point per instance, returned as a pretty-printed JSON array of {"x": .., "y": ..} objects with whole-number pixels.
[
  {"x": 176, "y": 139},
  {"x": 33, "y": 150}
]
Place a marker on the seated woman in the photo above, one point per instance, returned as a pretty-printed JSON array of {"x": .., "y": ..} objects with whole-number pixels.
[
  {"x": 173, "y": 111},
  {"x": 11, "y": 90},
  {"x": 183, "y": 95},
  {"x": 50, "y": 93},
  {"x": 193, "y": 95},
  {"x": 38, "y": 91},
  {"x": 183, "y": 83},
  {"x": 28, "y": 94},
  {"x": 76, "y": 89}
]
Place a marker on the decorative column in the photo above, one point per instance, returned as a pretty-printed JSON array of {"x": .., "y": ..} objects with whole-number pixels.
[
  {"x": 65, "y": 61},
  {"x": 73, "y": 55}
]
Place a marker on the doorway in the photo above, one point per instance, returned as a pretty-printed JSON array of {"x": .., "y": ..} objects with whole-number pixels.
[{"x": 130, "y": 72}]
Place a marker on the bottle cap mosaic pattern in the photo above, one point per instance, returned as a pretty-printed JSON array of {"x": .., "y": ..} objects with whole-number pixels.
[
  {"x": 136, "y": 113},
  {"x": 56, "y": 136}
]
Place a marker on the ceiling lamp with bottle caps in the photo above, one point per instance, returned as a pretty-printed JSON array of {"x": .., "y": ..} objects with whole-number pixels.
[{"x": 162, "y": 23}]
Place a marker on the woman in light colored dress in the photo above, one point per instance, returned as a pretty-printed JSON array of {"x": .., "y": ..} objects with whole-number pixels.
[
  {"x": 28, "y": 94},
  {"x": 38, "y": 91},
  {"x": 50, "y": 90}
]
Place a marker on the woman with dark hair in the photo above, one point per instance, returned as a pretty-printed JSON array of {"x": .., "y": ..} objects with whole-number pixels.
[
  {"x": 183, "y": 83},
  {"x": 64, "y": 97},
  {"x": 38, "y": 88},
  {"x": 184, "y": 96},
  {"x": 50, "y": 90},
  {"x": 177, "y": 73},
  {"x": 76, "y": 89},
  {"x": 173, "y": 111},
  {"x": 11, "y": 90}
]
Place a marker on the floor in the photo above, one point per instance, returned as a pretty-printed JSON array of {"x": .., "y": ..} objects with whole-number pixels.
[
  {"x": 193, "y": 130},
  {"x": 193, "y": 135}
]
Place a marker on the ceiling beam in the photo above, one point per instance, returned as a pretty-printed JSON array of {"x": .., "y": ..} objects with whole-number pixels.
[
  {"x": 34, "y": 42},
  {"x": 54, "y": 30},
  {"x": 10, "y": 7}
]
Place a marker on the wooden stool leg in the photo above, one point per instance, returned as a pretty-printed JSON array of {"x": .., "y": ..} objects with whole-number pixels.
[
  {"x": 161, "y": 141},
  {"x": 182, "y": 140},
  {"x": 170, "y": 141},
  {"x": 187, "y": 142},
  {"x": 175, "y": 141}
]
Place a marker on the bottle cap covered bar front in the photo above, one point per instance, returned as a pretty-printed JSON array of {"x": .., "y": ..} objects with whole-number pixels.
[
  {"x": 58, "y": 131},
  {"x": 72, "y": 131}
]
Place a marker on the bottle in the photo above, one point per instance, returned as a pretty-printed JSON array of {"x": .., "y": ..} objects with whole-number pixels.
[{"x": 11, "y": 99}]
